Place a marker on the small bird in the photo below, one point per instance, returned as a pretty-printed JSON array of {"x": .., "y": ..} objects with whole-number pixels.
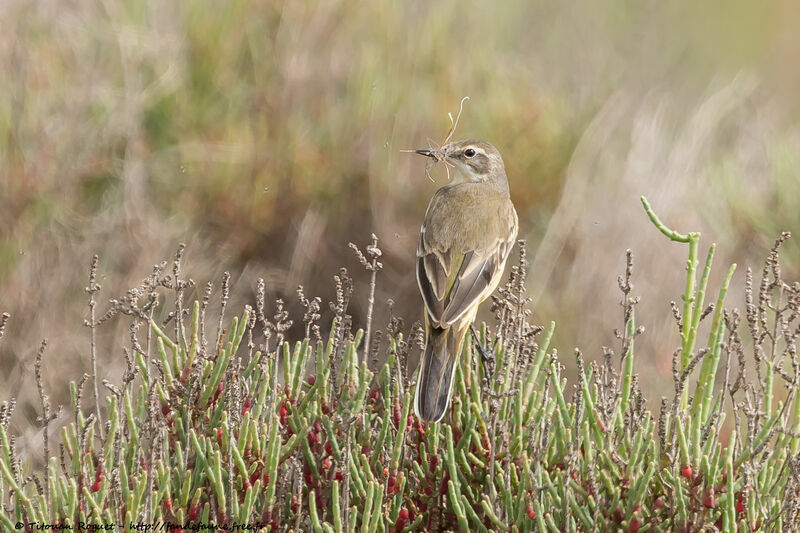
[{"x": 465, "y": 240}]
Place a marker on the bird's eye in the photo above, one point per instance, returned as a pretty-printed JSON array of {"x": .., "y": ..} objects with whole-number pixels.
[{"x": 469, "y": 152}]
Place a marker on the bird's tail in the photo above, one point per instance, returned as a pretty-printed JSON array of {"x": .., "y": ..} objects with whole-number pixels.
[{"x": 435, "y": 381}]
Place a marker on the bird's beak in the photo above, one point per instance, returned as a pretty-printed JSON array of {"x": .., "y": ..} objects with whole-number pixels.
[{"x": 425, "y": 151}]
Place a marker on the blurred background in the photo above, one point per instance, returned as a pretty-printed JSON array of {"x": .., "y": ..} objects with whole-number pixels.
[{"x": 266, "y": 136}]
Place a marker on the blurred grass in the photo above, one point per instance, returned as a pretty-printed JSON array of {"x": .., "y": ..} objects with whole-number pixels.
[{"x": 266, "y": 135}]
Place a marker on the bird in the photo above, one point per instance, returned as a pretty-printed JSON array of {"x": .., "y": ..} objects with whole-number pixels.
[{"x": 468, "y": 232}]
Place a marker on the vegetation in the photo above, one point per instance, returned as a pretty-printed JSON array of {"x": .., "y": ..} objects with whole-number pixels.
[{"x": 227, "y": 423}]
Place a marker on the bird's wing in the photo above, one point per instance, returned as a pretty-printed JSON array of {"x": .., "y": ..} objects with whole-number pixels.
[
  {"x": 479, "y": 274},
  {"x": 433, "y": 270},
  {"x": 452, "y": 282}
]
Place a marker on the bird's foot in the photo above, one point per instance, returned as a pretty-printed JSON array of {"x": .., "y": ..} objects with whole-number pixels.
[{"x": 488, "y": 359}]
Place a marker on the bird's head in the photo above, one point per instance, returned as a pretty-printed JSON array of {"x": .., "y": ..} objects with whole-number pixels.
[{"x": 473, "y": 161}]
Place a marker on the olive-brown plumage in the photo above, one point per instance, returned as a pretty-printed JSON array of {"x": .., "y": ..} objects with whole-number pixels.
[{"x": 469, "y": 229}]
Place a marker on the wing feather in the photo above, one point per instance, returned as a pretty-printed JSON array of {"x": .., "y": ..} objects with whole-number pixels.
[
  {"x": 474, "y": 277},
  {"x": 433, "y": 304},
  {"x": 436, "y": 274}
]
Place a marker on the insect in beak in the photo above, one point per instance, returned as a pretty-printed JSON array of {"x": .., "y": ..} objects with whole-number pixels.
[{"x": 437, "y": 154}]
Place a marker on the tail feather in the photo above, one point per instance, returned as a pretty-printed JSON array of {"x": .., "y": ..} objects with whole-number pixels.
[{"x": 435, "y": 382}]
